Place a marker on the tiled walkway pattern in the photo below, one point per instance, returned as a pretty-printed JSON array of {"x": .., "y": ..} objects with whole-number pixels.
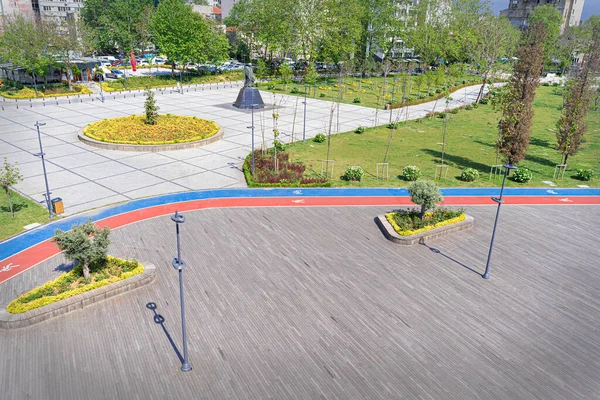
[{"x": 86, "y": 177}]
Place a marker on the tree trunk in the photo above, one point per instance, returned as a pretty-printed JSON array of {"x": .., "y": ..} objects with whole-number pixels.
[
  {"x": 423, "y": 212},
  {"x": 69, "y": 72},
  {"x": 86, "y": 270},
  {"x": 10, "y": 204},
  {"x": 480, "y": 95},
  {"x": 173, "y": 69}
]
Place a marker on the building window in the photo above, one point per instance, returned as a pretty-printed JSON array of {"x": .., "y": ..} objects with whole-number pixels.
[{"x": 47, "y": 8}]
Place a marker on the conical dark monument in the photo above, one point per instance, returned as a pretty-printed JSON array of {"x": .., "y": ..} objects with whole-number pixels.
[{"x": 249, "y": 96}]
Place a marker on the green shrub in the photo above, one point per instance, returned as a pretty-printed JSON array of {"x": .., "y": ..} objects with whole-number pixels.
[
  {"x": 294, "y": 90},
  {"x": 271, "y": 86},
  {"x": 319, "y": 138},
  {"x": 411, "y": 173},
  {"x": 468, "y": 107},
  {"x": 469, "y": 174},
  {"x": 356, "y": 100},
  {"x": 441, "y": 115},
  {"x": 555, "y": 84},
  {"x": 484, "y": 101},
  {"x": 522, "y": 175},
  {"x": 454, "y": 111},
  {"x": 353, "y": 173},
  {"x": 546, "y": 84},
  {"x": 279, "y": 146},
  {"x": 425, "y": 194},
  {"x": 584, "y": 174},
  {"x": 360, "y": 129},
  {"x": 322, "y": 95},
  {"x": 393, "y": 125},
  {"x": 438, "y": 91}
]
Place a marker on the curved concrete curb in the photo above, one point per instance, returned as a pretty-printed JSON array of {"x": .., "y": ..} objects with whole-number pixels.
[
  {"x": 12, "y": 321},
  {"x": 391, "y": 234},
  {"x": 149, "y": 147}
]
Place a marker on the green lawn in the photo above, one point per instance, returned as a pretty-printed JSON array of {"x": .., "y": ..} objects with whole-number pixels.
[
  {"x": 471, "y": 138},
  {"x": 26, "y": 212},
  {"x": 373, "y": 92},
  {"x": 143, "y": 82}
]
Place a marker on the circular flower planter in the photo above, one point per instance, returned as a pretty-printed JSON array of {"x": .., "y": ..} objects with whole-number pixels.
[{"x": 172, "y": 136}]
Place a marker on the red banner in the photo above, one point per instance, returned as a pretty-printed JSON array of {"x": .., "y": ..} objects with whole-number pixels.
[{"x": 133, "y": 62}]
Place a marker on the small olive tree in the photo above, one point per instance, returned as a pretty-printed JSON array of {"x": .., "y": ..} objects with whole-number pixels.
[
  {"x": 9, "y": 176},
  {"x": 85, "y": 243},
  {"x": 424, "y": 194},
  {"x": 151, "y": 108}
]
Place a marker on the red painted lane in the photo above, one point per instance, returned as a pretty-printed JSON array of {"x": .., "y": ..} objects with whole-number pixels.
[{"x": 20, "y": 262}]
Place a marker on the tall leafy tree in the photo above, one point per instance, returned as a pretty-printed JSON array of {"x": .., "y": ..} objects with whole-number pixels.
[
  {"x": 571, "y": 126},
  {"x": 67, "y": 43},
  {"x": 549, "y": 16},
  {"x": 494, "y": 38},
  {"x": 26, "y": 44},
  {"x": 116, "y": 23},
  {"x": 184, "y": 35},
  {"x": 517, "y": 101}
]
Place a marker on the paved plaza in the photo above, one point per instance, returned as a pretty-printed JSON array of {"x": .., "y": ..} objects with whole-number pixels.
[
  {"x": 314, "y": 303},
  {"x": 86, "y": 177}
]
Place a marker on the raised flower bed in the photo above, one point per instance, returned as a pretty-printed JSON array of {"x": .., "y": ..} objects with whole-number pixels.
[{"x": 407, "y": 227}]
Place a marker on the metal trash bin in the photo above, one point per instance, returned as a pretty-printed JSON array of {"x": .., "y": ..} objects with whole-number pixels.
[{"x": 58, "y": 206}]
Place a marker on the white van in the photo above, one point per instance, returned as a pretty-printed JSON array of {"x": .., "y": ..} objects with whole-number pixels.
[{"x": 107, "y": 58}]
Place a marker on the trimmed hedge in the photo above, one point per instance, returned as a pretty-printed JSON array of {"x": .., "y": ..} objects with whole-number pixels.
[
  {"x": 51, "y": 292},
  {"x": 405, "y": 232},
  {"x": 29, "y": 93}
]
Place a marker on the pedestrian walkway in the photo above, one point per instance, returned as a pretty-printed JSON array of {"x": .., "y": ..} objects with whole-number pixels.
[
  {"x": 86, "y": 177},
  {"x": 314, "y": 303}
]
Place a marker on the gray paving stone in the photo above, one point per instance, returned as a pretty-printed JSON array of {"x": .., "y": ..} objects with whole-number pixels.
[
  {"x": 205, "y": 180},
  {"x": 156, "y": 190},
  {"x": 175, "y": 170},
  {"x": 104, "y": 170},
  {"x": 146, "y": 160},
  {"x": 129, "y": 181},
  {"x": 78, "y": 160}
]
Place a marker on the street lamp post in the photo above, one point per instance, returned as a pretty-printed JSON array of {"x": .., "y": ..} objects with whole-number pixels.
[
  {"x": 41, "y": 154},
  {"x": 507, "y": 167},
  {"x": 179, "y": 265},
  {"x": 304, "y": 115},
  {"x": 252, "y": 127}
]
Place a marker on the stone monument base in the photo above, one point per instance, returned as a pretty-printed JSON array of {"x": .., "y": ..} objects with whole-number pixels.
[{"x": 249, "y": 97}]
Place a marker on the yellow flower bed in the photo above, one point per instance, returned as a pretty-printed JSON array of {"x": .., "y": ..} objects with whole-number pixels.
[
  {"x": 168, "y": 129},
  {"x": 399, "y": 231},
  {"x": 20, "y": 305},
  {"x": 29, "y": 93}
]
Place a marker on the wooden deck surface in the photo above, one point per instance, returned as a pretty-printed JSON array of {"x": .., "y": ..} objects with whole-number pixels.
[{"x": 314, "y": 303}]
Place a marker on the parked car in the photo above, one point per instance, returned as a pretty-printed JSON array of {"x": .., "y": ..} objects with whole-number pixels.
[
  {"x": 107, "y": 58},
  {"x": 115, "y": 74}
]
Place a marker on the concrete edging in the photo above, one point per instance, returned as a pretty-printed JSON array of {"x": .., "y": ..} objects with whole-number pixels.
[
  {"x": 149, "y": 147},
  {"x": 13, "y": 321},
  {"x": 390, "y": 233}
]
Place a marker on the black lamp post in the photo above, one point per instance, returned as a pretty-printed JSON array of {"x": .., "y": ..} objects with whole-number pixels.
[
  {"x": 41, "y": 154},
  {"x": 179, "y": 265},
  {"x": 507, "y": 167}
]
